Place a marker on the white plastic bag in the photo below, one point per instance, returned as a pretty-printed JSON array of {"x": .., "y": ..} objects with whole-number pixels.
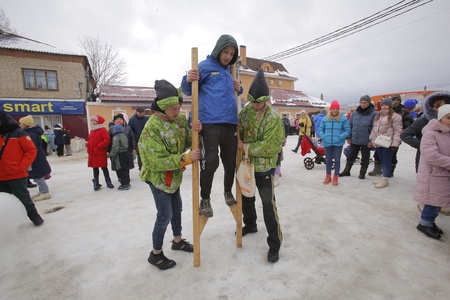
[{"x": 246, "y": 175}]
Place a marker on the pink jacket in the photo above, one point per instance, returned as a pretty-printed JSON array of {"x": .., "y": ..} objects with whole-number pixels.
[
  {"x": 383, "y": 127},
  {"x": 433, "y": 176}
]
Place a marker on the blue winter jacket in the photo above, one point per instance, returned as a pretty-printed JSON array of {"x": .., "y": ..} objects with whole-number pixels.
[
  {"x": 361, "y": 123},
  {"x": 317, "y": 121},
  {"x": 216, "y": 100},
  {"x": 333, "y": 132}
]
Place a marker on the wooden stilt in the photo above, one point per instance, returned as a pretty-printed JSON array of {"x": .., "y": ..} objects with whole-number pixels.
[{"x": 236, "y": 210}]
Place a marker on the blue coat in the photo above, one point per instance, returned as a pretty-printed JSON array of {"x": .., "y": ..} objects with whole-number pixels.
[
  {"x": 216, "y": 100},
  {"x": 40, "y": 166},
  {"x": 317, "y": 121},
  {"x": 333, "y": 132},
  {"x": 361, "y": 123}
]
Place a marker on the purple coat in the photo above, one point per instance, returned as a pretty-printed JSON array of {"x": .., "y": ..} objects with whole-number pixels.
[{"x": 433, "y": 176}]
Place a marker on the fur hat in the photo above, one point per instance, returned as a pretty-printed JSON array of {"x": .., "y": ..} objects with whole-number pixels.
[
  {"x": 117, "y": 128},
  {"x": 410, "y": 103},
  {"x": 365, "y": 98},
  {"x": 165, "y": 90},
  {"x": 28, "y": 120},
  {"x": 259, "y": 90},
  {"x": 119, "y": 115},
  {"x": 335, "y": 104},
  {"x": 443, "y": 110},
  {"x": 387, "y": 101}
]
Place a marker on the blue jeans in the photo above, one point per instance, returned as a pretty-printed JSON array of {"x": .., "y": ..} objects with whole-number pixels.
[
  {"x": 169, "y": 208},
  {"x": 333, "y": 152},
  {"x": 429, "y": 214},
  {"x": 385, "y": 155},
  {"x": 43, "y": 187}
]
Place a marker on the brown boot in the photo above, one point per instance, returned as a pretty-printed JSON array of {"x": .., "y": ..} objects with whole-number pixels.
[
  {"x": 327, "y": 179},
  {"x": 335, "y": 180}
]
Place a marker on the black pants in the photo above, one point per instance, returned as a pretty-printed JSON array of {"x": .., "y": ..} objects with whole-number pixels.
[
  {"x": 365, "y": 155},
  {"x": 298, "y": 142},
  {"x": 60, "y": 150},
  {"x": 17, "y": 187},
  {"x": 266, "y": 192},
  {"x": 97, "y": 172},
  {"x": 215, "y": 136},
  {"x": 124, "y": 176}
]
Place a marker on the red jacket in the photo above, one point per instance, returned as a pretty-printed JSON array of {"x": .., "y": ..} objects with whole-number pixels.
[
  {"x": 18, "y": 155},
  {"x": 98, "y": 141}
]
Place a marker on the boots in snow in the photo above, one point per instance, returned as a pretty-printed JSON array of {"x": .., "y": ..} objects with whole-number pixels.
[
  {"x": 346, "y": 171},
  {"x": 362, "y": 173},
  {"x": 42, "y": 196},
  {"x": 327, "y": 179},
  {"x": 97, "y": 185},
  {"x": 109, "y": 183},
  {"x": 335, "y": 180},
  {"x": 382, "y": 183},
  {"x": 376, "y": 169},
  {"x": 34, "y": 216}
]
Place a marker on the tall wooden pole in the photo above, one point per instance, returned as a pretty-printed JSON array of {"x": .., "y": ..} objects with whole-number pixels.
[
  {"x": 195, "y": 175},
  {"x": 237, "y": 209}
]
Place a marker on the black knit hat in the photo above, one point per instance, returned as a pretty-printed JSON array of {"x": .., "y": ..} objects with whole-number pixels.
[
  {"x": 164, "y": 90},
  {"x": 259, "y": 88}
]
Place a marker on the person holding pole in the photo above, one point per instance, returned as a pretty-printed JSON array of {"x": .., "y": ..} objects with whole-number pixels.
[
  {"x": 218, "y": 114},
  {"x": 261, "y": 127},
  {"x": 162, "y": 146}
]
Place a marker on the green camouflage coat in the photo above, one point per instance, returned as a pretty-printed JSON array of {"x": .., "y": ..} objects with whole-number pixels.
[
  {"x": 161, "y": 146},
  {"x": 265, "y": 134}
]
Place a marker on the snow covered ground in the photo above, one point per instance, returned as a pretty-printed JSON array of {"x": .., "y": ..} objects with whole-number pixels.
[{"x": 347, "y": 242}]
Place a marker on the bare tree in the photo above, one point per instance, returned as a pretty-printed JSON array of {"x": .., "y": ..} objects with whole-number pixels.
[
  {"x": 108, "y": 68},
  {"x": 4, "y": 23}
]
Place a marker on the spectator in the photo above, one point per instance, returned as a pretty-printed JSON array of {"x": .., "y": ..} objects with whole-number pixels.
[{"x": 137, "y": 123}]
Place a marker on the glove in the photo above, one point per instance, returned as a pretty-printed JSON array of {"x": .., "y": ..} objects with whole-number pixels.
[
  {"x": 393, "y": 149},
  {"x": 185, "y": 160}
]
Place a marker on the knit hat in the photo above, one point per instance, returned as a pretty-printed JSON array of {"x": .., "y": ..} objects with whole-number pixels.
[
  {"x": 443, "y": 110},
  {"x": 387, "y": 101},
  {"x": 334, "y": 104},
  {"x": 365, "y": 98},
  {"x": 396, "y": 96},
  {"x": 410, "y": 103},
  {"x": 117, "y": 128},
  {"x": 303, "y": 112},
  {"x": 166, "y": 95},
  {"x": 99, "y": 119},
  {"x": 28, "y": 120},
  {"x": 259, "y": 90}
]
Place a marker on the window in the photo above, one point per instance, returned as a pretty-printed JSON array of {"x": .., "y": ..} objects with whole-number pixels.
[{"x": 40, "y": 80}]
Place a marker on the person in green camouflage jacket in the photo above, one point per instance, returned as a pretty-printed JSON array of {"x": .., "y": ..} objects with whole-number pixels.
[
  {"x": 162, "y": 145},
  {"x": 261, "y": 127}
]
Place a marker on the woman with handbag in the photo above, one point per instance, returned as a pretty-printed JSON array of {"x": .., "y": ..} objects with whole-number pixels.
[{"x": 385, "y": 136}]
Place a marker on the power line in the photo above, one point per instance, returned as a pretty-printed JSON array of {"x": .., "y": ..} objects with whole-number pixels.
[{"x": 363, "y": 24}]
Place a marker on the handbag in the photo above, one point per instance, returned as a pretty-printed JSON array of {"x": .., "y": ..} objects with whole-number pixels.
[
  {"x": 246, "y": 175},
  {"x": 383, "y": 141}
]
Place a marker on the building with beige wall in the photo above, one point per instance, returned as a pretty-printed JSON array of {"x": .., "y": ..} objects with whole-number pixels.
[{"x": 48, "y": 83}]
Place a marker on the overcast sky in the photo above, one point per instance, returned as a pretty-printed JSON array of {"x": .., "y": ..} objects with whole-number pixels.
[{"x": 155, "y": 37}]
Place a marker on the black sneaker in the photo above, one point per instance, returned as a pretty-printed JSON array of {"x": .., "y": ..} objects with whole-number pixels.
[
  {"x": 160, "y": 261},
  {"x": 249, "y": 229},
  {"x": 229, "y": 199},
  {"x": 437, "y": 229},
  {"x": 205, "y": 208},
  {"x": 429, "y": 231},
  {"x": 182, "y": 245},
  {"x": 124, "y": 187},
  {"x": 273, "y": 256}
]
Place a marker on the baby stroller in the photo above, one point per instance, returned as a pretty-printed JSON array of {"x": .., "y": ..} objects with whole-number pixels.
[{"x": 306, "y": 146}]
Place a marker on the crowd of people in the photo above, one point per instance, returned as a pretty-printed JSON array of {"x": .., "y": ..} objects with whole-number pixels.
[{"x": 162, "y": 145}]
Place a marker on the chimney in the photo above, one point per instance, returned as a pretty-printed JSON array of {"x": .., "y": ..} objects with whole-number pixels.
[{"x": 243, "y": 54}]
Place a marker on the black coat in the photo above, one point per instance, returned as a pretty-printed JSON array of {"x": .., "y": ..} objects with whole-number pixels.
[{"x": 40, "y": 166}]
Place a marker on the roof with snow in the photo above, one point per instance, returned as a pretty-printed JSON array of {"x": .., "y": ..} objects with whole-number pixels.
[
  {"x": 295, "y": 98},
  {"x": 115, "y": 93},
  {"x": 16, "y": 42},
  {"x": 254, "y": 64}
]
